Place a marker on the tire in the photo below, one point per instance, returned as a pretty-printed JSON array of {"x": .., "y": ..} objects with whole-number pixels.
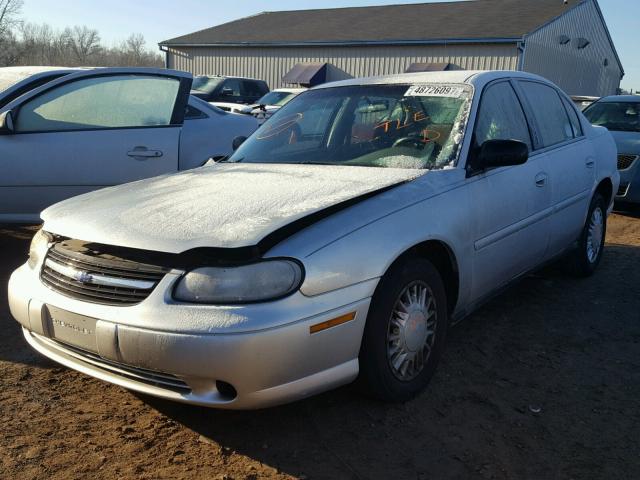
[
  {"x": 584, "y": 260},
  {"x": 385, "y": 340}
]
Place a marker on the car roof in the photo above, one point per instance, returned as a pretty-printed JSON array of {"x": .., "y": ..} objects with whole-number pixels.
[
  {"x": 621, "y": 98},
  {"x": 230, "y": 76},
  {"x": 38, "y": 69},
  {"x": 289, "y": 90},
  {"x": 477, "y": 78}
]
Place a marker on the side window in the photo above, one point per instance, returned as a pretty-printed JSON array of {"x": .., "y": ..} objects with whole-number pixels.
[
  {"x": 231, "y": 88},
  {"x": 550, "y": 115},
  {"x": 116, "y": 101},
  {"x": 500, "y": 116},
  {"x": 573, "y": 118},
  {"x": 251, "y": 89}
]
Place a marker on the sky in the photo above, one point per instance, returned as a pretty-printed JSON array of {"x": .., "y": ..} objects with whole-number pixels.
[{"x": 160, "y": 20}]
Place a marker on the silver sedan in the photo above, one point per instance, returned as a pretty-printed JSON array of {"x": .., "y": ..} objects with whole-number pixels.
[
  {"x": 340, "y": 241},
  {"x": 65, "y": 132}
]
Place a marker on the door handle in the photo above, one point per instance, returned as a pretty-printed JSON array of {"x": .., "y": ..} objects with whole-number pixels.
[
  {"x": 541, "y": 180},
  {"x": 589, "y": 163},
  {"x": 142, "y": 153}
]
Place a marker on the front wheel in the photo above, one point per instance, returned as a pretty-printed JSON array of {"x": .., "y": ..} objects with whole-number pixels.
[
  {"x": 405, "y": 331},
  {"x": 587, "y": 255}
]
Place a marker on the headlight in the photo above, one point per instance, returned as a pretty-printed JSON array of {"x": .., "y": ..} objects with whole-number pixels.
[
  {"x": 38, "y": 248},
  {"x": 256, "y": 282}
]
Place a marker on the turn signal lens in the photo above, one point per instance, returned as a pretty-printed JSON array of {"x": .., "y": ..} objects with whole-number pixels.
[{"x": 318, "y": 327}]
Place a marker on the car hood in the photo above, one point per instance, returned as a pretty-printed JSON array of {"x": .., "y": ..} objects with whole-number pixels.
[
  {"x": 627, "y": 142},
  {"x": 227, "y": 205}
]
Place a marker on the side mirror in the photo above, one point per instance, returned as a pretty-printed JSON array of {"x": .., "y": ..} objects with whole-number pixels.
[
  {"x": 6, "y": 123},
  {"x": 235, "y": 144},
  {"x": 502, "y": 153}
]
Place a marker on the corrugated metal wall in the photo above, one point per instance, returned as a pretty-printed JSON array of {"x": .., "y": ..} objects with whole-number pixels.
[
  {"x": 576, "y": 71},
  {"x": 271, "y": 63}
]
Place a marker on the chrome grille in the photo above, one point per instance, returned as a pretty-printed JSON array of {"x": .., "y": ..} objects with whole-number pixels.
[
  {"x": 150, "y": 377},
  {"x": 625, "y": 161},
  {"x": 96, "y": 279},
  {"x": 622, "y": 190}
]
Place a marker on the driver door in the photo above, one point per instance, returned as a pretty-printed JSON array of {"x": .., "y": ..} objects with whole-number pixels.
[
  {"x": 510, "y": 205},
  {"x": 87, "y": 131}
]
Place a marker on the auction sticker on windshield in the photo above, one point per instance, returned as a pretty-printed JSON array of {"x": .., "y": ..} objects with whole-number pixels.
[{"x": 434, "y": 91}]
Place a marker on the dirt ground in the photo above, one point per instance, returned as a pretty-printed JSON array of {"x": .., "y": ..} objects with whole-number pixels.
[{"x": 541, "y": 383}]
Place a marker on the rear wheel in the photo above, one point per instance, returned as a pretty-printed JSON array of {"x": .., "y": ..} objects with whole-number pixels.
[
  {"x": 405, "y": 331},
  {"x": 586, "y": 257}
]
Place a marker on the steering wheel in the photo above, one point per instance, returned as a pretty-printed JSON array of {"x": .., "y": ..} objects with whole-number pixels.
[{"x": 411, "y": 141}]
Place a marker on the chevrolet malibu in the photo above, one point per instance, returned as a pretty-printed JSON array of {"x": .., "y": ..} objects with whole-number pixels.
[{"x": 339, "y": 242}]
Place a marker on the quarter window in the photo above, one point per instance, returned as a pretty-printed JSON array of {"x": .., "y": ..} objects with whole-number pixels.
[
  {"x": 573, "y": 118},
  {"x": 117, "y": 101},
  {"x": 551, "y": 117},
  {"x": 500, "y": 116}
]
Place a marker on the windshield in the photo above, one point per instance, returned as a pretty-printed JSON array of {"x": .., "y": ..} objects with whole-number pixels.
[
  {"x": 620, "y": 116},
  {"x": 276, "y": 98},
  {"x": 206, "y": 84},
  {"x": 397, "y": 126}
]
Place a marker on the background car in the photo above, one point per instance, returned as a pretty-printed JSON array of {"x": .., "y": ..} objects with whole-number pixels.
[
  {"x": 96, "y": 128},
  {"x": 16, "y": 81},
  {"x": 621, "y": 115},
  {"x": 227, "y": 92},
  {"x": 266, "y": 106},
  {"x": 340, "y": 240},
  {"x": 583, "y": 101}
]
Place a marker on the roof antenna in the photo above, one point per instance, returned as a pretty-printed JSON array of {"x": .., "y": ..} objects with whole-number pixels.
[{"x": 565, "y": 2}]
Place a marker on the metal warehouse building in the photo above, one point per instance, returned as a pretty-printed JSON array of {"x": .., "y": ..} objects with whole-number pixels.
[{"x": 565, "y": 41}]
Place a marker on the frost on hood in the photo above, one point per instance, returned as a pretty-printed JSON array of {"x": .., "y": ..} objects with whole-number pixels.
[{"x": 225, "y": 205}]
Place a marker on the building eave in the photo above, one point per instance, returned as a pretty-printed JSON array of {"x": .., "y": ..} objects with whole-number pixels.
[{"x": 448, "y": 41}]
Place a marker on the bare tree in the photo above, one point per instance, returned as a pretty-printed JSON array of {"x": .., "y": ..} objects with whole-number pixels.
[
  {"x": 135, "y": 46},
  {"x": 84, "y": 42},
  {"x": 33, "y": 44},
  {"x": 9, "y": 15}
]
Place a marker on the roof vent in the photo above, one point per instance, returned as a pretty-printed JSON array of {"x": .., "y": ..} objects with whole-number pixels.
[
  {"x": 429, "y": 67},
  {"x": 581, "y": 43}
]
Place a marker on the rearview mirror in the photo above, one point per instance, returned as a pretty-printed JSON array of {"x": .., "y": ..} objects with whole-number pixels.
[
  {"x": 502, "y": 153},
  {"x": 227, "y": 92},
  {"x": 6, "y": 123},
  {"x": 235, "y": 144}
]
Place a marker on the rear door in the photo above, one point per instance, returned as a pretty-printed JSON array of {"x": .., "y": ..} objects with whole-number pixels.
[
  {"x": 90, "y": 130},
  {"x": 570, "y": 157}
]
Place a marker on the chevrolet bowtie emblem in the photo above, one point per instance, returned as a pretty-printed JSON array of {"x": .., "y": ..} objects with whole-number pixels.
[{"x": 82, "y": 277}]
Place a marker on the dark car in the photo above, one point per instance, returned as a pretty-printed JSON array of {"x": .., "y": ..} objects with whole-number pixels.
[{"x": 228, "y": 89}]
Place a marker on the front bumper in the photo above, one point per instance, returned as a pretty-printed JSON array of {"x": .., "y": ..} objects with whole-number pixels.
[
  {"x": 629, "y": 190},
  {"x": 265, "y": 366}
]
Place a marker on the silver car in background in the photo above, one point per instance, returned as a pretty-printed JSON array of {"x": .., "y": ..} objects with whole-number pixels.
[
  {"x": 340, "y": 241},
  {"x": 620, "y": 114},
  {"x": 92, "y": 128}
]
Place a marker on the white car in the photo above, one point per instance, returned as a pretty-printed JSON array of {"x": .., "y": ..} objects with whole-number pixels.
[
  {"x": 341, "y": 240},
  {"x": 101, "y": 127},
  {"x": 273, "y": 101}
]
